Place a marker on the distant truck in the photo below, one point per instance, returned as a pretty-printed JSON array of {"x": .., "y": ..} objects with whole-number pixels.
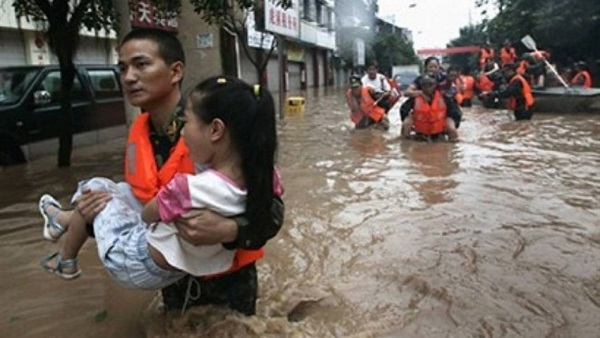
[
  {"x": 30, "y": 111},
  {"x": 404, "y": 75}
]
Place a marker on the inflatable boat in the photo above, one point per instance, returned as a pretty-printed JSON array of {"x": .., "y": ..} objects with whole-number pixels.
[{"x": 566, "y": 100}]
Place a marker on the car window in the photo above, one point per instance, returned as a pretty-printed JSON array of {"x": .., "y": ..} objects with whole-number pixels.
[
  {"x": 51, "y": 84},
  {"x": 104, "y": 83},
  {"x": 14, "y": 82}
]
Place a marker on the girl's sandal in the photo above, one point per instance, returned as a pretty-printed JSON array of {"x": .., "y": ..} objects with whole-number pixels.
[
  {"x": 61, "y": 264},
  {"x": 50, "y": 219}
]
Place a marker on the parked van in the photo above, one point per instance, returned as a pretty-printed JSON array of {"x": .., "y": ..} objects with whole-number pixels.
[{"x": 30, "y": 107}]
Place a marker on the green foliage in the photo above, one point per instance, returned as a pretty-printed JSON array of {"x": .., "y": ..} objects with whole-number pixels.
[
  {"x": 469, "y": 36},
  {"x": 95, "y": 15},
  {"x": 392, "y": 49}
]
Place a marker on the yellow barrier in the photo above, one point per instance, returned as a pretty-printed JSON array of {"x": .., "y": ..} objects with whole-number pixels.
[{"x": 294, "y": 105}]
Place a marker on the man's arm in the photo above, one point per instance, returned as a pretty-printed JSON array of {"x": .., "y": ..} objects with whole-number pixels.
[
  {"x": 406, "y": 108},
  {"x": 512, "y": 90},
  {"x": 252, "y": 240},
  {"x": 452, "y": 110},
  {"x": 412, "y": 90},
  {"x": 202, "y": 227}
]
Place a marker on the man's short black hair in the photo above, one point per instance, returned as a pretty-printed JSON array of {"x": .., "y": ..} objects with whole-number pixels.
[{"x": 169, "y": 47}]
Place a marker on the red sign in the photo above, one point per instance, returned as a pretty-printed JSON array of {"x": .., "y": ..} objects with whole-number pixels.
[
  {"x": 449, "y": 50},
  {"x": 143, "y": 15}
]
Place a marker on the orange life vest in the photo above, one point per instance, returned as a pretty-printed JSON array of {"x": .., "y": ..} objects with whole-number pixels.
[
  {"x": 587, "y": 82},
  {"x": 484, "y": 83},
  {"x": 512, "y": 102},
  {"x": 140, "y": 166},
  {"x": 367, "y": 106},
  {"x": 507, "y": 55},
  {"x": 468, "y": 83},
  {"x": 458, "y": 98},
  {"x": 430, "y": 119},
  {"x": 145, "y": 180},
  {"x": 522, "y": 68}
]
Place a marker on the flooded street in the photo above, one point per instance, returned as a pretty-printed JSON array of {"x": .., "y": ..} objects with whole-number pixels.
[{"x": 495, "y": 236}]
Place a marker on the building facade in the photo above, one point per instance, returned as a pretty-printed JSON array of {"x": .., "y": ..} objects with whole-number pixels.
[{"x": 23, "y": 43}]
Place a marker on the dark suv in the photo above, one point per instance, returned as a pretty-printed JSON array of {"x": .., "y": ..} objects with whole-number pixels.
[{"x": 30, "y": 105}]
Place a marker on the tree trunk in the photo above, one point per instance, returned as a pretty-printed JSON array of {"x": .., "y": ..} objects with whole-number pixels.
[{"x": 65, "y": 140}]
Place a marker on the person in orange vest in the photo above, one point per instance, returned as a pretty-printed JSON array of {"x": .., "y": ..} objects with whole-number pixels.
[
  {"x": 485, "y": 52},
  {"x": 537, "y": 67},
  {"x": 138, "y": 245},
  {"x": 582, "y": 76},
  {"x": 518, "y": 92},
  {"x": 152, "y": 65},
  {"x": 507, "y": 53},
  {"x": 379, "y": 86},
  {"x": 431, "y": 68},
  {"x": 452, "y": 87},
  {"x": 364, "y": 110},
  {"x": 468, "y": 87},
  {"x": 489, "y": 79},
  {"x": 431, "y": 114}
]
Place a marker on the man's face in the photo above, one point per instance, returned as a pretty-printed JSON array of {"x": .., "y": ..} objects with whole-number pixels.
[
  {"x": 372, "y": 71},
  {"x": 452, "y": 75},
  {"x": 428, "y": 89},
  {"x": 147, "y": 80},
  {"x": 356, "y": 90}
]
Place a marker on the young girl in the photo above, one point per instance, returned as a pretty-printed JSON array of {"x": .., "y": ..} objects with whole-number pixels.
[{"x": 230, "y": 131}]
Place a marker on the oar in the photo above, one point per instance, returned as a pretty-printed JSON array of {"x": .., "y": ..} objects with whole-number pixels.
[{"x": 529, "y": 42}]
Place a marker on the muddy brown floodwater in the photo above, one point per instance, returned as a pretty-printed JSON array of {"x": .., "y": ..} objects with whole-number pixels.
[{"x": 495, "y": 236}]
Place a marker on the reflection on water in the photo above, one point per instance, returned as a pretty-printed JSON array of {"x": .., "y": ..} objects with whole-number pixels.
[{"x": 495, "y": 236}]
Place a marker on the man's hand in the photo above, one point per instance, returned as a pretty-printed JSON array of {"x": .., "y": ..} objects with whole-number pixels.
[
  {"x": 90, "y": 203},
  {"x": 203, "y": 227}
]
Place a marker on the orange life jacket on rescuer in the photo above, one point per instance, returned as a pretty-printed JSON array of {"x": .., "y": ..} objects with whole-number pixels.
[
  {"x": 367, "y": 106},
  {"x": 522, "y": 68},
  {"x": 145, "y": 180},
  {"x": 468, "y": 84},
  {"x": 430, "y": 119},
  {"x": 587, "y": 82},
  {"x": 484, "y": 83},
  {"x": 512, "y": 102},
  {"x": 458, "y": 98}
]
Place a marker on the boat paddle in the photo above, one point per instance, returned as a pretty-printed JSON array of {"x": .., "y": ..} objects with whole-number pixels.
[{"x": 529, "y": 42}]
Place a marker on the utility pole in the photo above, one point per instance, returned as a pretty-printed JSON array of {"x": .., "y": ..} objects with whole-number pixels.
[{"x": 282, "y": 71}]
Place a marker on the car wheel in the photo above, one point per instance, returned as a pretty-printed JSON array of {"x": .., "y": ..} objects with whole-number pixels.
[{"x": 11, "y": 157}]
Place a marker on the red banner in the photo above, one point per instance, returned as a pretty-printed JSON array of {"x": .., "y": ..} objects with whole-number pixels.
[{"x": 449, "y": 50}]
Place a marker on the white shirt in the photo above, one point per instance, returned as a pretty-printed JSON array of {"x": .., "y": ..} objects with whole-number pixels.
[
  {"x": 208, "y": 189},
  {"x": 380, "y": 83}
]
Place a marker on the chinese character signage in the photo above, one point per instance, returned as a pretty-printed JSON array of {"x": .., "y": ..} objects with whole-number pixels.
[
  {"x": 144, "y": 15},
  {"x": 257, "y": 39},
  {"x": 282, "y": 21}
]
